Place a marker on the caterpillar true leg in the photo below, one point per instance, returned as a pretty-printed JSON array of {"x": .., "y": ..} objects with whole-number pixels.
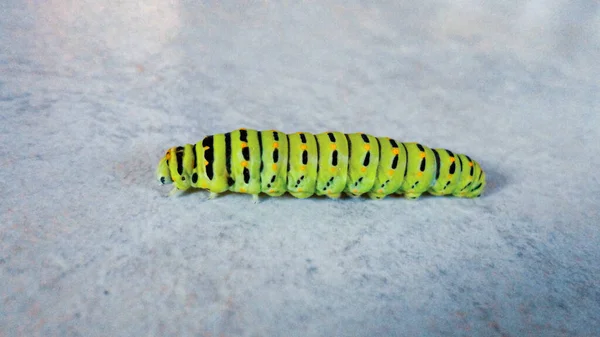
[
  {"x": 329, "y": 163},
  {"x": 175, "y": 192}
]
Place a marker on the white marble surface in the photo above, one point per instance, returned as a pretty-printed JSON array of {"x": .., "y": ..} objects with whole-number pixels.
[{"x": 92, "y": 94}]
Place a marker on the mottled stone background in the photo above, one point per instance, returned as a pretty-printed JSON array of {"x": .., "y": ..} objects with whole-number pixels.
[{"x": 93, "y": 92}]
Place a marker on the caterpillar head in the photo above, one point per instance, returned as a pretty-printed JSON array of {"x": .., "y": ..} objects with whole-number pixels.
[
  {"x": 170, "y": 170},
  {"x": 162, "y": 172}
]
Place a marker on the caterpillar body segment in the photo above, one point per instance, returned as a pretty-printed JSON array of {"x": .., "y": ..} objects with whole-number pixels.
[
  {"x": 302, "y": 164},
  {"x": 274, "y": 163},
  {"x": 329, "y": 163},
  {"x": 332, "y": 173}
]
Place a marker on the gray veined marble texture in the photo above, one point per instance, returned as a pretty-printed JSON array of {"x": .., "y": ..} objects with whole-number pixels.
[{"x": 93, "y": 92}]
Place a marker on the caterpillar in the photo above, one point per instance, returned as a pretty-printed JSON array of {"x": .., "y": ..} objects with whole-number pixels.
[{"x": 329, "y": 163}]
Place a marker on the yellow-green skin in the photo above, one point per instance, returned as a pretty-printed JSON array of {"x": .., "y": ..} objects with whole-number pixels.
[{"x": 303, "y": 164}]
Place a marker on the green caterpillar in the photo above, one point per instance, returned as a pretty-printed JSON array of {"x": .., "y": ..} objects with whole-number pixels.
[{"x": 303, "y": 164}]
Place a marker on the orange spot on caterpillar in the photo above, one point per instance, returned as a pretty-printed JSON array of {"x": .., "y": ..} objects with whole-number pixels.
[
  {"x": 380, "y": 190},
  {"x": 242, "y": 129},
  {"x": 242, "y": 190},
  {"x": 244, "y": 163},
  {"x": 302, "y": 168},
  {"x": 206, "y": 163},
  {"x": 329, "y": 192},
  {"x": 419, "y": 174},
  {"x": 395, "y": 150},
  {"x": 168, "y": 155},
  {"x": 271, "y": 191},
  {"x": 452, "y": 159},
  {"x": 205, "y": 185},
  {"x": 470, "y": 163},
  {"x": 333, "y": 146},
  {"x": 391, "y": 172},
  {"x": 449, "y": 176},
  {"x": 243, "y": 145},
  {"x": 275, "y": 145},
  {"x": 423, "y": 155},
  {"x": 363, "y": 169},
  {"x": 303, "y": 147},
  {"x": 333, "y": 169},
  {"x": 274, "y": 167},
  {"x": 367, "y": 147},
  {"x": 300, "y": 189},
  {"x": 355, "y": 191},
  {"x": 207, "y": 147}
]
